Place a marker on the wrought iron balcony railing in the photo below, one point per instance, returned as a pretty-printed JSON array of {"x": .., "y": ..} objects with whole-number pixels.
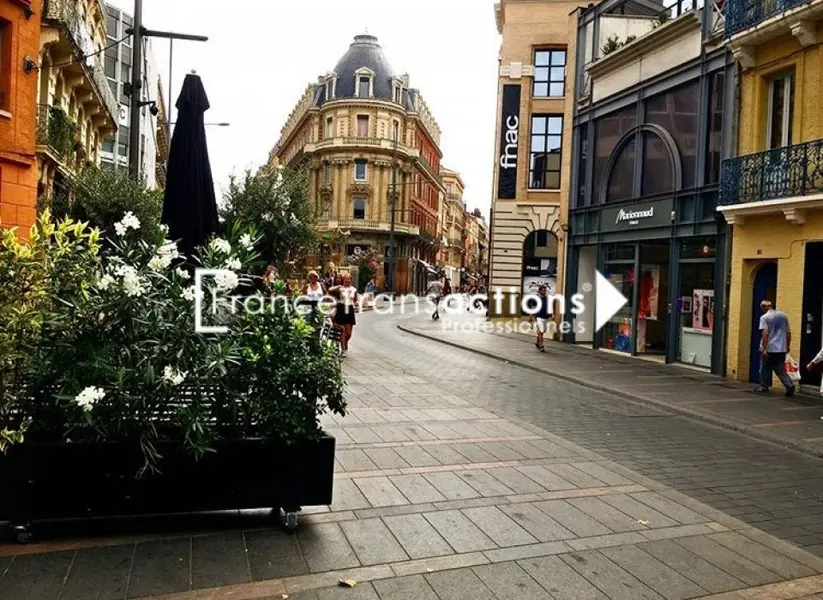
[
  {"x": 788, "y": 172},
  {"x": 743, "y": 14}
]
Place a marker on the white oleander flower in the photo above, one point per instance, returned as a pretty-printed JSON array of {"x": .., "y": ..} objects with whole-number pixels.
[
  {"x": 183, "y": 274},
  {"x": 234, "y": 264},
  {"x": 133, "y": 285},
  {"x": 174, "y": 376},
  {"x": 268, "y": 217},
  {"x": 105, "y": 281},
  {"x": 129, "y": 221},
  {"x": 89, "y": 397},
  {"x": 226, "y": 280},
  {"x": 189, "y": 293},
  {"x": 221, "y": 245},
  {"x": 246, "y": 241},
  {"x": 164, "y": 228},
  {"x": 168, "y": 248},
  {"x": 160, "y": 263}
]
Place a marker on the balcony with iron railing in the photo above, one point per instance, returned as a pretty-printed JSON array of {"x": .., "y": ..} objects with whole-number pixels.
[
  {"x": 66, "y": 14},
  {"x": 56, "y": 134},
  {"x": 786, "y": 180},
  {"x": 742, "y": 15}
]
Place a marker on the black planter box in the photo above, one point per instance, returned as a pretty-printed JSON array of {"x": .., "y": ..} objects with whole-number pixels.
[{"x": 65, "y": 481}]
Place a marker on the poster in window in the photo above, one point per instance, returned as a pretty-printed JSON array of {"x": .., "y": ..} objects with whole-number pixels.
[
  {"x": 649, "y": 293},
  {"x": 703, "y": 310},
  {"x": 537, "y": 272}
]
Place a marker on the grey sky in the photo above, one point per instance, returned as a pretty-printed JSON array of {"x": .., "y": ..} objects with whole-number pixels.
[{"x": 263, "y": 53}]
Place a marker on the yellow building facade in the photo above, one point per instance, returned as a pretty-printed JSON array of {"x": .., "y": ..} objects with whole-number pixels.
[
  {"x": 772, "y": 192},
  {"x": 532, "y": 147},
  {"x": 365, "y": 136},
  {"x": 76, "y": 107},
  {"x": 453, "y": 235}
]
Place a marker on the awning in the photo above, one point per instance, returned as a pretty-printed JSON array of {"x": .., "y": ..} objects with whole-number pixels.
[{"x": 427, "y": 266}]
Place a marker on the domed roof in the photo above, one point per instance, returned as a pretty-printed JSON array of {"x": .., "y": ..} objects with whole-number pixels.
[{"x": 366, "y": 53}]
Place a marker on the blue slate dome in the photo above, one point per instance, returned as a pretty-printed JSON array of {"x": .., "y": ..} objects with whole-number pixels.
[{"x": 364, "y": 52}]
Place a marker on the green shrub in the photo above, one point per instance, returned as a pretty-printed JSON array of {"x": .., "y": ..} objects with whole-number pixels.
[
  {"x": 103, "y": 348},
  {"x": 102, "y": 196}
]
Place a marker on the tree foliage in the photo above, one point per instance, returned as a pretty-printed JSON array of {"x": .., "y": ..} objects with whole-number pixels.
[{"x": 276, "y": 202}]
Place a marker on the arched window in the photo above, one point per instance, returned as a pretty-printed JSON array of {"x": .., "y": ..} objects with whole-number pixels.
[
  {"x": 657, "y": 165},
  {"x": 621, "y": 181},
  {"x": 540, "y": 244}
]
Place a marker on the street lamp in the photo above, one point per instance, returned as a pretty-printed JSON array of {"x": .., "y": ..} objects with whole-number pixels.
[{"x": 138, "y": 32}]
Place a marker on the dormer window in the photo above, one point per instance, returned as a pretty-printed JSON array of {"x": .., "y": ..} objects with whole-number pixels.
[
  {"x": 397, "y": 90},
  {"x": 330, "y": 87},
  {"x": 364, "y": 83}
]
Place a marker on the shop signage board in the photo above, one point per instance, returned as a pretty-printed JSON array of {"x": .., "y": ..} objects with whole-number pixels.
[
  {"x": 509, "y": 143},
  {"x": 639, "y": 215}
]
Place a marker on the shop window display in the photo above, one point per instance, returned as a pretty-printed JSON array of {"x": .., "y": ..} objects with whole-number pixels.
[
  {"x": 617, "y": 333},
  {"x": 696, "y": 307}
]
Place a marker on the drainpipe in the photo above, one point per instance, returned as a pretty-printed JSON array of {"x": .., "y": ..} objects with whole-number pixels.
[{"x": 732, "y": 151}]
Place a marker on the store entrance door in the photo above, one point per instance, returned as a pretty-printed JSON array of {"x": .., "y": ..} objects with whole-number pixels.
[
  {"x": 811, "y": 333},
  {"x": 764, "y": 288},
  {"x": 653, "y": 294}
]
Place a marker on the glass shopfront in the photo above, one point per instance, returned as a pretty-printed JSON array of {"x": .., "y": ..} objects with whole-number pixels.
[
  {"x": 696, "y": 301},
  {"x": 677, "y": 327}
]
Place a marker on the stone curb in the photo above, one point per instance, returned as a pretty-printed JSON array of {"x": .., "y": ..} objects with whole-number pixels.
[{"x": 747, "y": 430}]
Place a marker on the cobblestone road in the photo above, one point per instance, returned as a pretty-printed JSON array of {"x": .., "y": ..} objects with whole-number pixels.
[{"x": 459, "y": 477}]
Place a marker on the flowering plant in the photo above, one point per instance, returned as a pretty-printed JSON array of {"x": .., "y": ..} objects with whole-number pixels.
[{"x": 108, "y": 351}]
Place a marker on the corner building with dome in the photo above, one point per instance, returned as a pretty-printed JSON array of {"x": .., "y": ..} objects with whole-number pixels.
[{"x": 351, "y": 129}]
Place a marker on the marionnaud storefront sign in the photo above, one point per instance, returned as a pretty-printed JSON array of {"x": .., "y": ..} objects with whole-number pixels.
[
  {"x": 509, "y": 143},
  {"x": 640, "y": 215}
]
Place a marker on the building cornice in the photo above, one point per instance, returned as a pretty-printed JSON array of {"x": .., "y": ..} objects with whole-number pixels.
[{"x": 653, "y": 40}]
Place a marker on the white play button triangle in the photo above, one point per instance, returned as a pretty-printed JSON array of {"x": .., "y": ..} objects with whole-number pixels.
[{"x": 607, "y": 301}]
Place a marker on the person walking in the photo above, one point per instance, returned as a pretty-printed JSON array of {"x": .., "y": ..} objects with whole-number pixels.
[
  {"x": 313, "y": 293},
  {"x": 814, "y": 365},
  {"x": 775, "y": 341},
  {"x": 434, "y": 293},
  {"x": 541, "y": 316},
  {"x": 347, "y": 303}
]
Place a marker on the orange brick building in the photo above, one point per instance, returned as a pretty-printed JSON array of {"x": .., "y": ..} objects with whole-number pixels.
[{"x": 19, "y": 44}]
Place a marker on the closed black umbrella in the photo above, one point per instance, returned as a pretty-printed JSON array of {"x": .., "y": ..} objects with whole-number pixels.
[{"x": 189, "y": 205}]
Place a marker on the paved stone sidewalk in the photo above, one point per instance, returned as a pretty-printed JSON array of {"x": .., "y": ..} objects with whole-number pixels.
[
  {"x": 437, "y": 498},
  {"x": 791, "y": 422}
]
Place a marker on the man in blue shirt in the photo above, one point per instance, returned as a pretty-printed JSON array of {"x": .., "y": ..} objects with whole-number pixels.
[{"x": 775, "y": 340}]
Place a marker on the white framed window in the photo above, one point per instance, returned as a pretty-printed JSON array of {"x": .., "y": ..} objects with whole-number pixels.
[
  {"x": 781, "y": 111},
  {"x": 329, "y": 127},
  {"x": 331, "y": 88},
  {"x": 360, "y": 169},
  {"x": 364, "y": 86},
  {"x": 364, "y": 83}
]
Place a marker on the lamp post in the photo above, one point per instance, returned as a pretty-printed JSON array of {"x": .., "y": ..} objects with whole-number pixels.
[
  {"x": 139, "y": 32},
  {"x": 392, "y": 249}
]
